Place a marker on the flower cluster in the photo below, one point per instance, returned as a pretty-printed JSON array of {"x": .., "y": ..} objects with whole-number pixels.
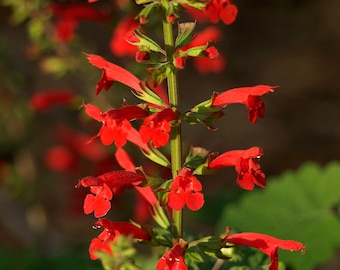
[{"x": 154, "y": 127}]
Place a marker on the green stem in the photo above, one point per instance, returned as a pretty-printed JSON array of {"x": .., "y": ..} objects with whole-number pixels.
[{"x": 175, "y": 143}]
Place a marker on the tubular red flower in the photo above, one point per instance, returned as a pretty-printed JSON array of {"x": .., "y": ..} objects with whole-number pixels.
[
  {"x": 156, "y": 127},
  {"x": 116, "y": 124},
  {"x": 69, "y": 17},
  {"x": 216, "y": 10},
  {"x": 103, "y": 187},
  {"x": 112, "y": 73},
  {"x": 249, "y": 96},
  {"x": 100, "y": 202},
  {"x": 60, "y": 158},
  {"x": 100, "y": 243},
  {"x": 185, "y": 190},
  {"x": 249, "y": 173},
  {"x": 124, "y": 228},
  {"x": 265, "y": 243},
  {"x": 45, "y": 100},
  {"x": 114, "y": 179},
  {"x": 172, "y": 259}
]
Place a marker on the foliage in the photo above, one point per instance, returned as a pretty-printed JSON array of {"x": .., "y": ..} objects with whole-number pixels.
[{"x": 302, "y": 205}]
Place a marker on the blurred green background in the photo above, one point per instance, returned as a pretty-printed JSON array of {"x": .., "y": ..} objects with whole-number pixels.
[{"x": 290, "y": 43}]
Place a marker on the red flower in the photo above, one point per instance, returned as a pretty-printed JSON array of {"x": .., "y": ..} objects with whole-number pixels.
[
  {"x": 69, "y": 17},
  {"x": 68, "y": 154},
  {"x": 248, "y": 170},
  {"x": 216, "y": 10},
  {"x": 249, "y": 96},
  {"x": 185, "y": 190},
  {"x": 172, "y": 259},
  {"x": 118, "y": 44},
  {"x": 60, "y": 158},
  {"x": 111, "y": 231},
  {"x": 45, "y": 100},
  {"x": 99, "y": 203},
  {"x": 265, "y": 243},
  {"x": 221, "y": 9},
  {"x": 112, "y": 73},
  {"x": 116, "y": 124},
  {"x": 101, "y": 243},
  {"x": 156, "y": 127},
  {"x": 103, "y": 187}
]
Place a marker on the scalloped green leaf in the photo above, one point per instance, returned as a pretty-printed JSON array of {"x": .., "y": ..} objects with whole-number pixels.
[{"x": 301, "y": 205}]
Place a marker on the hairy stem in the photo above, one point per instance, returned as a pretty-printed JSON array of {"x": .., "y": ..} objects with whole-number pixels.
[{"x": 175, "y": 143}]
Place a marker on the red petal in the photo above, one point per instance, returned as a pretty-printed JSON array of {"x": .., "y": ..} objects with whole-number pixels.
[
  {"x": 89, "y": 203},
  {"x": 101, "y": 208},
  {"x": 147, "y": 193},
  {"x": 95, "y": 245},
  {"x": 176, "y": 200},
  {"x": 135, "y": 137},
  {"x": 88, "y": 182},
  {"x": 228, "y": 14},
  {"x": 232, "y": 158},
  {"x": 245, "y": 181},
  {"x": 263, "y": 242},
  {"x": 127, "y": 112},
  {"x": 120, "y": 178},
  {"x": 45, "y": 100},
  {"x": 212, "y": 12},
  {"x": 172, "y": 259},
  {"x": 94, "y": 112},
  {"x": 106, "y": 135},
  {"x": 124, "y": 160},
  {"x": 195, "y": 201},
  {"x": 240, "y": 95},
  {"x": 114, "y": 72}
]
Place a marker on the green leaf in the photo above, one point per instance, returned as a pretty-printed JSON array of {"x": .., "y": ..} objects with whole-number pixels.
[
  {"x": 160, "y": 216},
  {"x": 156, "y": 156},
  {"x": 301, "y": 205},
  {"x": 195, "y": 254},
  {"x": 184, "y": 33},
  {"x": 193, "y": 51},
  {"x": 194, "y": 4},
  {"x": 146, "y": 12},
  {"x": 203, "y": 113},
  {"x": 149, "y": 96},
  {"x": 161, "y": 72},
  {"x": 145, "y": 43}
]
